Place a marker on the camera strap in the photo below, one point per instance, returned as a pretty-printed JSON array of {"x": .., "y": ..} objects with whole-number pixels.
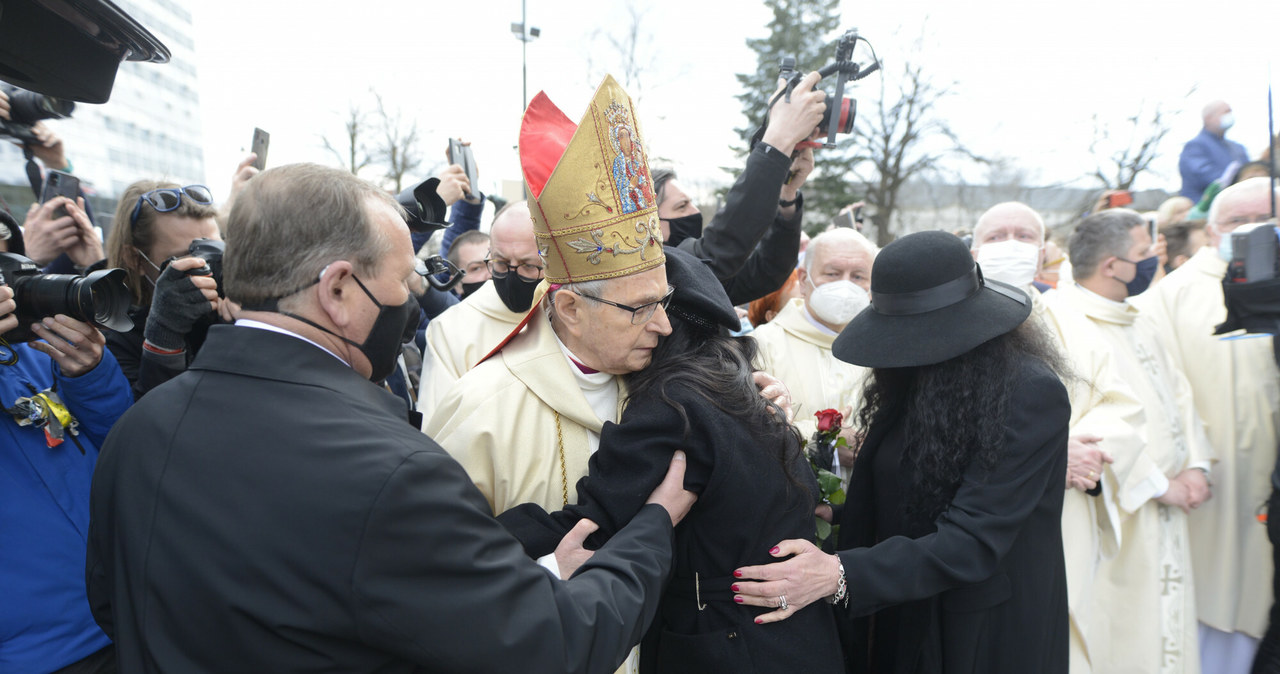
[{"x": 33, "y": 172}]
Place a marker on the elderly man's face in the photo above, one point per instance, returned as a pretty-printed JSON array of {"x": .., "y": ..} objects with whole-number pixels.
[
  {"x": 838, "y": 261},
  {"x": 1240, "y": 209},
  {"x": 395, "y": 279},
  {"x": 1008, "y": 226},
  {"x": 609, "y": 341},
  {"x": 1213, "y": 121}
]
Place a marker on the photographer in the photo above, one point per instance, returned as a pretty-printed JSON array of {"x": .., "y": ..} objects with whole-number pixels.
[
  {"x": 44, "y": 487},
  {"x": 155, "y": 223}
]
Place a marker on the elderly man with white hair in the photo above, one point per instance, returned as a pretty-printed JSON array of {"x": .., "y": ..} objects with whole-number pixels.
[
  {"x": 796, "y": 345},
  {"x": 1237, "y": 392},
  {"x": 1206, "y": 157},
  {"x": 1105, "y": 414}
]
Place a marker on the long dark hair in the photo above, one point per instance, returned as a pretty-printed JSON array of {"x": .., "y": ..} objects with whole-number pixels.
[
  {"x": 954, "y": 412},
  {"x": 717, "y": 366}
]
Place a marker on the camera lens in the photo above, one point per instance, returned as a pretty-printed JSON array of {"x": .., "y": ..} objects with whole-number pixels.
[{"x": 100, "y": 298}]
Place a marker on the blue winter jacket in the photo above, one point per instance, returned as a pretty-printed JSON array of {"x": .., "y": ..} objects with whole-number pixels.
[
  {"x": 1203, "y": 160},
  {"x": 44, "y": 514}
]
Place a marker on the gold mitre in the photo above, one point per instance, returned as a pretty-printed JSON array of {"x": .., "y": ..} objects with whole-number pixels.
[{"x": 595, "y": 215}]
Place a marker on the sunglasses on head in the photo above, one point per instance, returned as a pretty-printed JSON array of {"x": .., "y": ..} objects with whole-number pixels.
[{"x": 168, "y": 199}]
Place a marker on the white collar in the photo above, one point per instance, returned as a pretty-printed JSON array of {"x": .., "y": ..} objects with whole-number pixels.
[
  {"x": 1108, "y": 300},
  {"x": 250, "y": 323},
  {"x": 825, "y": 330}
]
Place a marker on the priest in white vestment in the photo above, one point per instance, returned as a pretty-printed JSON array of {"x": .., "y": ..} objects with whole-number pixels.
[
  {"x": 466, "y": 332},
  {"x": 1105, "y": 415},
  {"x": 796, "y": 345},
  {"x": 1145, "y": 616},
  {"x": 1237, "y": 392}
]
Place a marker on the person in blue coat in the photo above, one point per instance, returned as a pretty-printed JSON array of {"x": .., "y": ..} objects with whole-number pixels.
[
  {"x": 70, "y": 381},
  {"x": 1206, "y": 157}
]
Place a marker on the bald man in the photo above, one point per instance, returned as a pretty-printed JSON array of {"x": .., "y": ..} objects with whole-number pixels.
[
  {"x": 458, "y": 338},
  {"x": 796, "y": 345},
  {"x": 1205, "y": 157},
  {"x": 1105, "y": 414},
  {"x": 1236, "y": 389}
]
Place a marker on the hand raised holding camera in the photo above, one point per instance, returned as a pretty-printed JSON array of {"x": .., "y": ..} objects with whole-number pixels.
[
  {"x": 790, "y": 123},
  {"x": 48, "y": 236},
  {"x": 7, "y": 306},
  {"x": 179, "y": 301}
]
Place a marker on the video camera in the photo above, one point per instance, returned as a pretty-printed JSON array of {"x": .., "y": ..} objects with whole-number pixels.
[
  {"x": 1251, "y": 288},
  {"x": 26, "y": 108},
  {"x": 100, "y": 298},
  {"x": 837, "y": 118},
  {"x": 424, "y": 214}
]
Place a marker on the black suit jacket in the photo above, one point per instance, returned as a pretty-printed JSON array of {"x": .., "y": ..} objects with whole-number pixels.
[
  {"x": 985, "y": 590},
  {"x": 269, "y": 511}
]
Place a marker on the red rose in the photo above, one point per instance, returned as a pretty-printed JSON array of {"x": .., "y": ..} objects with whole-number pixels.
[{"x": 828, "y": 420}]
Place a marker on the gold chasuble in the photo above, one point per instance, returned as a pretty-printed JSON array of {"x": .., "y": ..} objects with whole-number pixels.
[{"x": 1237, "y": 392}]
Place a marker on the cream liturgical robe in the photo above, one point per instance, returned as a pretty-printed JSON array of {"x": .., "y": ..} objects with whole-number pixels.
[
  {"x": 1237, "y": 392},
  {"x": 798, "y": 352},
  {"x": 458, "y": 338},
  {"x": 500, "y": 422},
  {"x": 1101, "y": 405},
  {"x": 1145, "y": 619}
]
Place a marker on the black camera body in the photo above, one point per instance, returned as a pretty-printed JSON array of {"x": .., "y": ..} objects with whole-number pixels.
[
  {"x": 100, "y": 298},
  {"x": 1255, "y": 253},
  {"x": 26, "y": 108},
  {"x": 841, "y": 110},
  {"x": 211, "y": 251}
]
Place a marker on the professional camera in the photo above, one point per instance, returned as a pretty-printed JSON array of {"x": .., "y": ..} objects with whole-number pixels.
[
  {"x": 841, "y": 110},
  {"x": 26, "y": 108},
  {"x": 424, "y": 214},
  {"x": 1251, "y": 287},
  {"x": 211, "y": 251},
  {"x": 101, "y": 298}
]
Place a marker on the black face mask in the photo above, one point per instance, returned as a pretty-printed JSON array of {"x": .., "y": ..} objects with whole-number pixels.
[
  {"x": 688, "y": 227},
  {"x": 468, "y": 288},
  {"x": 515, "y": 293},
  {"x": 395, "y": 325}
]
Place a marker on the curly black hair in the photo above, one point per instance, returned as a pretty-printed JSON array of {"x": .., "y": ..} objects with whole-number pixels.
[
  {"x": 717, "y": 366},
  {"x": 954, "y": 412}
]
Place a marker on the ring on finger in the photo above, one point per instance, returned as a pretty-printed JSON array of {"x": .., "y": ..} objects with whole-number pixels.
[{"x": 782, "y": 602}]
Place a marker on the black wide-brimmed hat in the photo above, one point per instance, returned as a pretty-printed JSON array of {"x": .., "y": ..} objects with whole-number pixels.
[
  {"x": 929, "y": 303},
  {"x": 700, "y": 298}
]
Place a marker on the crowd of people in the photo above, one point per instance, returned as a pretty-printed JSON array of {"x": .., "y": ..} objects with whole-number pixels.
[{"x": 1046, "y": 460}]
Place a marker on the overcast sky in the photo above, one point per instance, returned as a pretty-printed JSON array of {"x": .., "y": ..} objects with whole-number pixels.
[{"x": 1027, "y": 77}]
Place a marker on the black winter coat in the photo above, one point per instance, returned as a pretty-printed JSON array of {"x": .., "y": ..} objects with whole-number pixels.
[
  {"x": 746, "y": 504},
  {"x": 984, "y": 590}
]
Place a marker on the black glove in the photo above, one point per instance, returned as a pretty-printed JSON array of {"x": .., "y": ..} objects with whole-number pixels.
[{"x": 175, "y": 307}]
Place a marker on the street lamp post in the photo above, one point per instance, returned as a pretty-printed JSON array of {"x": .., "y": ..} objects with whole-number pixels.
[{"x": 525, "y": 34}]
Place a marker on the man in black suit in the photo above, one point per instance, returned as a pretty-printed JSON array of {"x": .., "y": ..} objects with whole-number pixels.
[{"x": 270, "y": 509}]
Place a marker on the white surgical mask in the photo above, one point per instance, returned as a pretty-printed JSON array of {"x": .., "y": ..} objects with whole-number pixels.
[
  {"x": 837, "y": 302},
  {"x": 1224, "y": 247},
  {"x": 1012, "y": 262},
  {"x": 1227, "y": 121}
]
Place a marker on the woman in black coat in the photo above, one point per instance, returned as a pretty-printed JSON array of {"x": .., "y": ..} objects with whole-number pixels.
[
  {"x": 754, "y": 487},
  {"x": 950, "y": 551}
]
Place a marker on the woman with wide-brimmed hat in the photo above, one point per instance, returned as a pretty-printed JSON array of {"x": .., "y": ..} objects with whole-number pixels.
[{"x": 950, "y": 551}]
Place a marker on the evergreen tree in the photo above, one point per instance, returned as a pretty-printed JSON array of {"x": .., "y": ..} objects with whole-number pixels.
[{"x": 796, "y": 30}]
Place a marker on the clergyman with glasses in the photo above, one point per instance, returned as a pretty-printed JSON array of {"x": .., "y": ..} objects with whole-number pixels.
[
  {"x": 155, "y": 223},
  {"x": 465, "y": 333},
  {"x": 524, "y": 422}
]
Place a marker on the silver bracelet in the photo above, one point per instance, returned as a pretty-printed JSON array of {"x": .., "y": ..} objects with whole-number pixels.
[{"x": 842, "y": 588}]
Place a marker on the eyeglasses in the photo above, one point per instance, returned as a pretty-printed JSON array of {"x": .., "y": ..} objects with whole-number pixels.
[
  {"x": 529, "y": 273},
  {"x": 169, "y": 198},
  {"x": 642, "y": 313}
]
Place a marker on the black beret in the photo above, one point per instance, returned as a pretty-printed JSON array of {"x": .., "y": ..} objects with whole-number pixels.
[{"x": 700, "y": 299}]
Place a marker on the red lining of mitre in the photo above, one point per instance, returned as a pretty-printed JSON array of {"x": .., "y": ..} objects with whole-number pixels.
[{"x": 545, "y": 132}]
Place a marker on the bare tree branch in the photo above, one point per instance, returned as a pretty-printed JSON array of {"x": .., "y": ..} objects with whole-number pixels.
[{"x": 351, "y": 152}]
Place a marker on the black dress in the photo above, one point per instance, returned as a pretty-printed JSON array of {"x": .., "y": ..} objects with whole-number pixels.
[
  {"x": 746, "y": 504},
  {"x": 983, "y": 587}
]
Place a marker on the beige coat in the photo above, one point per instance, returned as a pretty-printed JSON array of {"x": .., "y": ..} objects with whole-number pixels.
[
  {"x": 1101, "y": 405},
  {"x": 1145, "y": 615},
  {"x": 797, "y": 352},
  {"x": 1237, "y": 392},
  {"x": 458, "y": 338},
  {"x": 499, "y": 422}
]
